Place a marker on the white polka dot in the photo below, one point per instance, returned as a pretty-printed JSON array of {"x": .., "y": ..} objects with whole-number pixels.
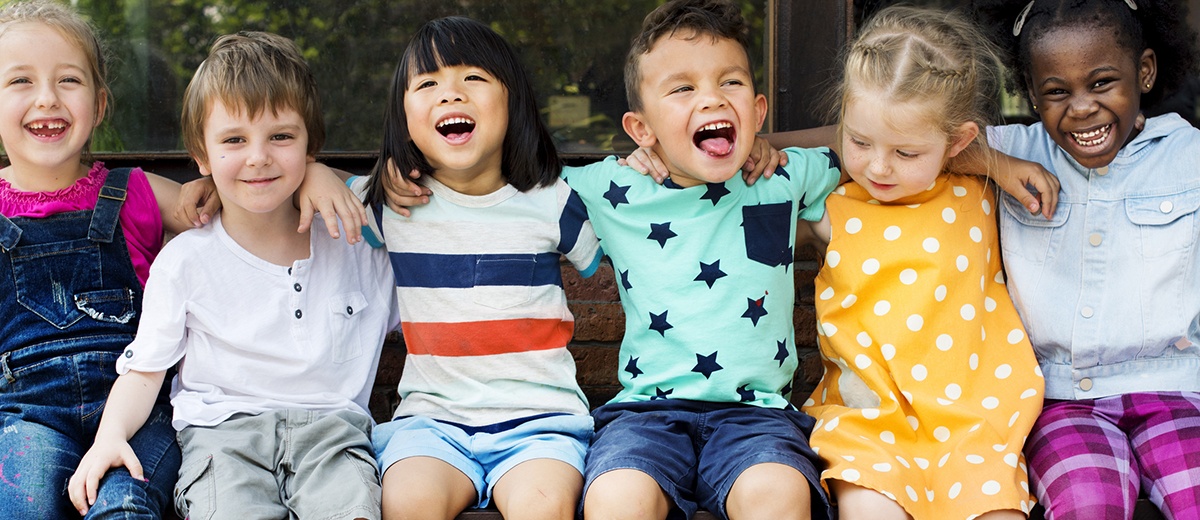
[
  {"x": 915, "y": 322},
  {"x": 944, "y": 342},
  {"x": 983, "y": 333},
  {"x": 840, "y": 190},
  {"x": 824, "y": 397},
  {"x": 944, "y": 402},
  {"x": 1012, "y": 420},
  {"x": 974, "y": 459},
  {"x": 809, "y": 402},
  {"x": 1037, "y": 369},
  {"x": 955, "y": 490},
  {"x": 862, "y": 361},
  {"x": 991, "y": 487},
  {"x": 829, "y": 328},
  {"x": 973, "y": 361},
  {"x": 888, "y": 350},
  {"x": 987, "y": 207},
  {"x": 1015, "y": 336},
  {"x": 939, "y": 294},
  {"x": 882, "y": 307},
  {"x": 962, "y": 263},
  {"x": 968, "y": 312},
  {"x": 827, "y": 293},
  {"x": 976, "y": 234},
  {"x": 891, "y": 233},
  {"x": 982, "y": 283},
  {"x": 850, "y": 475},
  {"x": 887, "y": 437},
  {"x": 833, "y": 258},
  {"x": 902, "y": 461},
  {"x": 882, "y": 467},
  {"x": 1003, "y": 371},
  {"x": 1028, "y": 393},
  {"x": 912, "y": 493},
  {"x": 942, "y": 461},
  {"x": 921, "y": 463},
  {"x": 999, "y": 277},
  {"x": 913, "y": 422},
  {"x": 864, "y": 339},
  {"x": 829, "y": 426},
  {"x": 929, "y": 494},
  {"x": 931, "y": 245},
  {"x": 848, "y": 301},
  {"x": 848, "y": 457},
  {"x": 991, "y": 403},
  {"x": 870, "y": 413},
  {"x": 871, "y": 266},
  {"x": 919, "y": 372},
  {"x": 989, "y": 304},
  {"x": 953, "y": 391},
  {"x": 941, "y": 433},
  {"x": 949, "y": 216},
  {"x": 908, "y": 276},
  {"x": 912, "y": 206},
  {"x": 999, "y": 447},
  {"x": 960, "y": 191},
  {"x": 1011, "y": 459},
  {"x": 907, "y": 395},
  {"x": 1025, "y": 486},
  {"x": 853, "y": 225}
]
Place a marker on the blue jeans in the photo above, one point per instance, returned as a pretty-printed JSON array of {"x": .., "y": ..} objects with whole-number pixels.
[{"x": 49, "y": 412}]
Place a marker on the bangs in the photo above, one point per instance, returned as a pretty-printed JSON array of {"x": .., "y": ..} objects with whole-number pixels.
[{"x": 452, "y": 42}]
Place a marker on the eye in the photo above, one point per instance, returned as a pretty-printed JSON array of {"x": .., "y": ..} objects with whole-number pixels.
[
  {"x": 907, "y": 155},
  {"x": 282, "y": 137},
  {"x": 233, "y": 140},
  {"x": 424, "y": 84},
  {"x": 1101, "y": 83},
  {"x": 475, "y": 77},
  {"x": 857, "y": 142},
  {"x": 680, "y": 89},
  {"x": 71, "y": 79},
  {"x": 15, "y": 81},
  {"x": 734, "y": 82}
]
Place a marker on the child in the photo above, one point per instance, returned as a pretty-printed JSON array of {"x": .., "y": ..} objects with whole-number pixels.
[
  {"x": 490, "y": 406},
  {"x": 277, "y": 333},
  {"x": 703, "y": 418},
  {"x": 1108, "y": 287},
  {"x": 930, "y": 385}
]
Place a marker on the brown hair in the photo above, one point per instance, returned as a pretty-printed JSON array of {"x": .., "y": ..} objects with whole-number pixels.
[{"x": 252, "y": 71}]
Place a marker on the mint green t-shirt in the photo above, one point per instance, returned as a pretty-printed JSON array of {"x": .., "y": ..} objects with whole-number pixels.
[{"x": 705, "y": 276}]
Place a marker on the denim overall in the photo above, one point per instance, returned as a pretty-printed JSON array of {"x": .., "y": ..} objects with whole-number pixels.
[{"x": 69, "y": 303}]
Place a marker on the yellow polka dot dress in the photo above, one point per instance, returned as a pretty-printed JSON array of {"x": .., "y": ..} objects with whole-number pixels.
[{"x": 930, "y": 384}]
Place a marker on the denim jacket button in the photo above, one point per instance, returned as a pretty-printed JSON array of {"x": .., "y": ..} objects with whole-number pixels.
[
  {"x": 1085, "y": 384},
  {"x": 1086, "y": 312},
  {"x": 1095, "y": 239},
  {"x": 1103, "y": 170},
  {"x": 1166, "y": 206}
]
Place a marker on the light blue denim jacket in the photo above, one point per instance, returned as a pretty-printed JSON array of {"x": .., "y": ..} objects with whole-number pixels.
[{"x": 1108, "y": 288}]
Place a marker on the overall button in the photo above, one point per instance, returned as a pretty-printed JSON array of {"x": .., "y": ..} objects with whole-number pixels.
[{"x": 1085, "y": 384}]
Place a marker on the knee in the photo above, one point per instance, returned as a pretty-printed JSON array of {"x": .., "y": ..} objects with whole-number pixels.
[
  {"x": 763, "y": 488},
  {"x": 625, "y": 494},
  {"x": 1083, "y": 503}
]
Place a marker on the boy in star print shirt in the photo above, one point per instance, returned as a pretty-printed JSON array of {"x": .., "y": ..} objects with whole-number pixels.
[{"x": 705, "y": 276}]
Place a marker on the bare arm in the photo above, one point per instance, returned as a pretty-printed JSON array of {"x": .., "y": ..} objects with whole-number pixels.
[{"x": 1014, "y": 176}]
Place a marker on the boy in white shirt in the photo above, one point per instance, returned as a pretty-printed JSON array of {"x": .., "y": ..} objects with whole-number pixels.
[{"x": 277, "y": 334}]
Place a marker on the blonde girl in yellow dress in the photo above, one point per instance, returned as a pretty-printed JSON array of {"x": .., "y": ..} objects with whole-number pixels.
[{"x": 930, "y": 384}]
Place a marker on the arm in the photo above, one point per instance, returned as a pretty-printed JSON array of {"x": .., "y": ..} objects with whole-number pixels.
[
  {"x": 1013, "y": 176},
  {"x": 128, "y": 405}
]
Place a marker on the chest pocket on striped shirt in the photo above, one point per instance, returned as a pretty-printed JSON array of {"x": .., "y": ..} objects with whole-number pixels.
[{"x": 503, "y": 282}]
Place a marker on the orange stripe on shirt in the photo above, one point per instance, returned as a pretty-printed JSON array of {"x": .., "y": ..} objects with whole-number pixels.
[{"x": 484, "y": 338}]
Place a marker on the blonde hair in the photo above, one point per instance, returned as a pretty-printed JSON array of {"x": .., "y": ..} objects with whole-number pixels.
[
  {"x": 927, "y": 56},
  {"x": 76, "y": 30},
  {"x": 252, "y": 71}
]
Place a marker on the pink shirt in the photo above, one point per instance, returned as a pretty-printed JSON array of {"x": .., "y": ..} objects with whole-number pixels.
[{"x": 141, "y": 221}]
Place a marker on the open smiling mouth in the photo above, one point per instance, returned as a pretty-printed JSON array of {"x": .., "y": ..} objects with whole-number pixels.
[
  {"x": 716, "y": 139},
  {"x": 456, "y": 128},
  {"x": 1094, "y": 137},
  {"x": 47, "y": 128}
]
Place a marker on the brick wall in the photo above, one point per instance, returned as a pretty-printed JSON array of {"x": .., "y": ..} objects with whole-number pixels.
[{"x": 599, "y": 324}]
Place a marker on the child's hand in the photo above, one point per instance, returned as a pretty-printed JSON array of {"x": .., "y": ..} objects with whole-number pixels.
[
  {"x": 103, "y": 456},
  {"x": 404, "y": 192},
  {"x": 1015, "y": 176},
  {"x": 647, "y": 162},
  {"x": 323, "y": 191},
  {"x": 763, "y": 160},
  {"x": 198, "y": 202}
]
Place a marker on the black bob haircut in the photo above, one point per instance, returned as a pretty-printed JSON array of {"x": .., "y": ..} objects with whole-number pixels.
[{"x": 529, "y": 157}]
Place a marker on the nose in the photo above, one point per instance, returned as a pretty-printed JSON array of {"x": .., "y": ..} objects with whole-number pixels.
[
  {"x": 47, "y": 96},
  {"x": 878, "y": 166},
  {"x": 257, "y": 156},
  {"x": 712, "y": 98},
  {"x": 452, "y": 93},
  {"x": 1082, "y": 106}
]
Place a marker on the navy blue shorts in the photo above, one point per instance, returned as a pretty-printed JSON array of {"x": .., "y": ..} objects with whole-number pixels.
[{"x": 696, "y": 450}]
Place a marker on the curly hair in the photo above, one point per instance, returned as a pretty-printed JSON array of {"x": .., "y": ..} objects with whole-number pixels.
[{"x": 1160, "y": 25}]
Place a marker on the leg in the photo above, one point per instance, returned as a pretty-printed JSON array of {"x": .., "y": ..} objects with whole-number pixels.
[
  {"x": 227, "y": 470},
  {"x": 1165, "y": 431},
  {"x": 1080, "y": 463},
  {"x": 120, "y": 496},
  {"x": 625, "y": 494},
  {"x": 767, "y": 491},
  {"x": 859, "y": 503},
  {"x": 1004, "y": 514},
  {"x": 35, "y": 464},
  {"x": 425, "y": 488},
  {"x": 318, "y": 449},
  {"x": 538, "y": 489}
]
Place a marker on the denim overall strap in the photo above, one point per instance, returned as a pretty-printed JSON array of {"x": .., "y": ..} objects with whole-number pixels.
[
  {"x": 107, "y": 214},
  {"x": 10, "y": 234}
]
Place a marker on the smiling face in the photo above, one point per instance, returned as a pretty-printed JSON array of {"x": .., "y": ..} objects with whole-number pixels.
[
  {"x": 1088, "y": 91},
  {"x": 458, "y": 117},
  {"x": 700, "y": 111},
  {"x": 256, "y": 162},
  {"x": 49, "y": 103},
  {"x": 894, "y": 149}
]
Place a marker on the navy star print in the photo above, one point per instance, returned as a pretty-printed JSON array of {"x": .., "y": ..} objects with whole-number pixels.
[
  {"x": 706, "y": 365},
  {"x": 787, "y": 389},
  {"x": 782, "y": 355},
  {"x": 625, "y": 280},
  {"x": 658, "y": 323},
  {"x": 709, "y": 273},
  {"x": 632, "y": 368},
  {"x": 616, "y": 194},
  {"x": 783, "y": 173},
  {"x": 755, "y": 309},
  {"x": 715, "y": 192},
  {"x": 834, "y": 163},
  {"x": 661, "y": 233},
  {"x": 660, "y": 394},
  {"x": 746, "y": 394}
]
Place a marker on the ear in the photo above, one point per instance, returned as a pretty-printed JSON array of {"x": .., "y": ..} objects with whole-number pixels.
[
  {"x": 101, "y": 107},
  {"x": 963, "y": 136},
  {"x": 638, "y": 129},
  {"x": 203, "y": 164},
  {"x": 1147, "y": 70},
  {"x": 760, "y": 112}
]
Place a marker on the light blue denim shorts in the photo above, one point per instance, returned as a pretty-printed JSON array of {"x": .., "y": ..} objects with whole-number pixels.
[{"x": 486, "y": 453}]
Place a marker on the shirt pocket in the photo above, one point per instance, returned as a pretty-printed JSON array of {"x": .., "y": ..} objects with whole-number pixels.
[
  {"x": 504, "y": 281},
  {"x": 1029, "y": 237},
  {"x": 1165, "y": 224},
  {"x": 345, "y": 326},
  {"x": 768, "y": 232}
]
